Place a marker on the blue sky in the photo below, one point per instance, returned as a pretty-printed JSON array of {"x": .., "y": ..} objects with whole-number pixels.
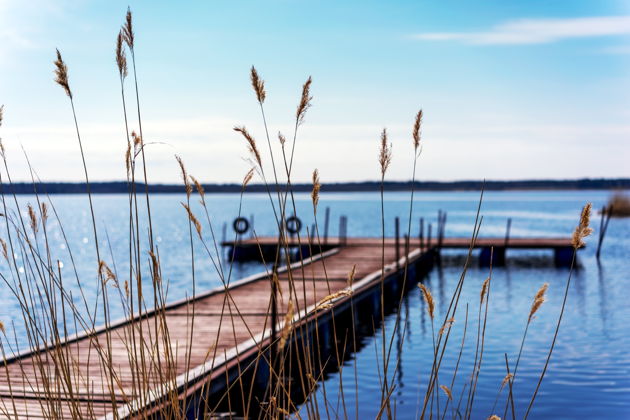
[{"x": 510, "y": 89}]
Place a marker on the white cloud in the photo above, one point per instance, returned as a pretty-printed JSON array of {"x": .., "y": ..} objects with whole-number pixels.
[{"x": 537, "y": 31}]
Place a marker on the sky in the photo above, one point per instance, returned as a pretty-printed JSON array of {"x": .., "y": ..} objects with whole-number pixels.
[{"x": 509, "y": 89}]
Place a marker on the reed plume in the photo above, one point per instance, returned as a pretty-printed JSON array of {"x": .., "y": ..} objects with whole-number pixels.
[
  {"x": 1, "y": 114},
  {"x": 259, "y": 86},
  {"x": 428, "y": 298},
  {"x": 61, "y": 74},
  {"x": 198, "y": 186},
  {"x": 5, "y": 250},
  {"x": 286, "y": 328},
  {"x": 137, "y": 141},
  {"x": 248, "y": 177},
  {"x": 416, "y": 130},
  {"x": 121, "y": 57},
  {"x": 282, "y": 139},
  {"x": 582, "y": 230},
  {"x": 127, "y": 29},
  {"x": 316, "y": 188},
  {"x": 447, "y": 391},
  {"x": 106, "y": 273},
  {"x": 385, "y": 155},
  {"x": 44, "y": 213},
  {"x": 539, "y": 299},
  {"x": 193, "y": 219},
  {"x": 448, "y": 324},
  {"x": 484, "y": 290},
  {"x": 32, "y": 218},
  {"x": 506, "y": 379},
  {"x": 494, "y": 417},
  {"x": 305, "y": 101},
  {"x": 128, "y": 159},
  {"x": 253, "y": 149},
  {"x": 184, "y": 176}
]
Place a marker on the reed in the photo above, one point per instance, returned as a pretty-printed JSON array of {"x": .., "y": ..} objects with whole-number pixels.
[{"x": 147, "y": 360}]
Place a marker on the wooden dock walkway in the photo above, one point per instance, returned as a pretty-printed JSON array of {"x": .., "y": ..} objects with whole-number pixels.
[
  {"x": 230, "y": 328},
  {"x": 27, "y": 378}
]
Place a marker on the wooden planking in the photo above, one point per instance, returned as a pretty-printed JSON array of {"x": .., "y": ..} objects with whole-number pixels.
[{"x": 222, "y": 322}]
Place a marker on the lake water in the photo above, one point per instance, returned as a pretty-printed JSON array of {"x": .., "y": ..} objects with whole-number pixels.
[{"x": 589, "y": 374}]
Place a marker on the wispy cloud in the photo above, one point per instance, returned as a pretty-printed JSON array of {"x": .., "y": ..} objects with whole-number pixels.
[{"x": 537, "y": 31}]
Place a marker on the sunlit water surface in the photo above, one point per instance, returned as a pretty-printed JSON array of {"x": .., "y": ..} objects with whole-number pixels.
[{"x": 589, "y": 372}]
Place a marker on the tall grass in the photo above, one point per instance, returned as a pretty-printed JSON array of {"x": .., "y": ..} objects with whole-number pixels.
[{"x": 139, "y": 367}]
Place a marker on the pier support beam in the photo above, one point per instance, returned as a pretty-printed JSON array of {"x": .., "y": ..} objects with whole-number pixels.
[
  {"x": 497, "y": 255},
  {"x": 563, "y": 256}
]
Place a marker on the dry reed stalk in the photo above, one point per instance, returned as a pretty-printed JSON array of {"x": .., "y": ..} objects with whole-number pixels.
[
  {"x": 305, "y": 102},
  {"x": 182, "y": 167},
  {"x": 448, "y": 324},
  {"x": 127, "y": 30},
  {"x": 61, "y": 74},
  {"x": 539, "y": 299},
  {"x": 416, "y": 130},
  {"x": 316, "y": 187},
  {"x": 582, "y": 230},
  {"x": 259, "y": 86},
  {"x": 193, "y": 219},
  {"x": 121, "y": 57},
  {"x": 198, "y": 187},
  {"x": 288, "y": 323},
  {"x": 253, "y": 149},
  {"x": 484, "y": 289},
  {"x": 428, "y": 298},
  {"x": 385, "y": 153},
  {"x": 447, "y": 391},
  {"x": 248, "y": 177}
]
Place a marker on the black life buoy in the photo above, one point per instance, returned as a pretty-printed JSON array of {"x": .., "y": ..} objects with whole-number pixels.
[
  {"x": 294, "y": 225},
  {"x": 240, "y": 225}
]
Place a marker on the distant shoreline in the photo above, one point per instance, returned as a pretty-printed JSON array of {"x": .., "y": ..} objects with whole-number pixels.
[{"x": 368, "y": 186}]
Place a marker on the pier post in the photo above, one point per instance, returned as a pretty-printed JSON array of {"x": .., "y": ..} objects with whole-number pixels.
[
  {"x": 421, "y": 234},
  {"x": 606, "y": 213},
  {"x": 326, "y": 222},
  {"x": 507, "y": 231},
  {"x": 429, "y": 237},
  {"x": 397, "y": 228}
]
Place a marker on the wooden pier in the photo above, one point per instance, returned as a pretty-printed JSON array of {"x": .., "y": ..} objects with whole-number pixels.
[{"x": 231, "y": 328}]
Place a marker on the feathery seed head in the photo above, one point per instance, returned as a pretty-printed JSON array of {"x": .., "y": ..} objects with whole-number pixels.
[
  {"x": 385, "y": 154},
  {"x": 61, "y": 74},
  {"x": 416, "y": 130},
  {"x": 259, "y": 86},
  {"x": 428, "y": 298},
  {"x": 121, "y": 57},
  {"x": 1, "y": 114},
  {"x": 184, "y": 176},
  {"x": 127, "y": 30},
  {"x": 106, "y": 273},
  {"x": 582, "y": 230},
  {"x": 447, "y": 391},
  {"x": 316, "y": 187},
  {"x": 505, "y": 380},
  {"x": 128, "y": 159},
  {"x": 5, "y": 251},
  {"x": 282, "y": 139},
  {"x": 3, "y": 328},
  {"x": 449, "y": 322},
  {"x": 286, "y": 328},
  {"x": 248, "y": 177},
  {"x": 484, "y": 290},
  {"x": 44, "y": 212},
  {"x": 253, "y": 149},
  {"x": 305, "y": 101},
  {"x": 198, "y": 186},
  {"x": 137, "y": 141},
  {"x": 539, "y": 299},
  {"x": 494, "y": 417},
  {"x": 33, "y": 218},
  {"x": 193, "y": 219}
]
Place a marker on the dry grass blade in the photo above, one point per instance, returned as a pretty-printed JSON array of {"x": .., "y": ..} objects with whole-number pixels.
[
  {"x": 121, "y": 57},
  {"x": 305, "y": 101},
  {"x": 351, "y": 275},
  {"x": 416, "y": 130},
  {"x": 253, "y": 149},
  {"x": 259, "y": 86},
  {"x": 137, "y": 141},
  {"x": 582, "y": 230},
  {"x": 61, "y": 74},
  {"x": 5, "y": 250},
  {"x": 33, "y": 219},
  {"x": 316, "y": 187},
  {"x": 385, "y": 154},
  {"x": 326, "y": 300},
  {"x": 428, "y": 298}
]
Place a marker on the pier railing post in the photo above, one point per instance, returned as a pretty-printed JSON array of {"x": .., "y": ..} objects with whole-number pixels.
[
  {"x": 397, "y": 228},
  {"x": 429, "y": 237},
  {"x": 421, "y": 234},
  {"x": 326, "y": 222}
]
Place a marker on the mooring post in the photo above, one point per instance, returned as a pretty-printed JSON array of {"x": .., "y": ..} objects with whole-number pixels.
[
  {"x": 603, "y": 227},
  {"x": 406, "y": 250},
  {"x": 397, "y": 229},
  {"x": 326, "y": 221},
  {"x": 429, "y": 237},
  {"x": 251, "y": 226},
  {"x": 342, "y": 229},
  {"x": 507, "y": 231},
  {"x": 421, "y": 234}
]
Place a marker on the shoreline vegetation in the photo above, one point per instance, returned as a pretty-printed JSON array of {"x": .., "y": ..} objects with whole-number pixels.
[{"x": 114, "y": 187}]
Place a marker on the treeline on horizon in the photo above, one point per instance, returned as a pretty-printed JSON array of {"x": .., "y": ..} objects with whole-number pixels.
[{"x": 123, "y": 186}]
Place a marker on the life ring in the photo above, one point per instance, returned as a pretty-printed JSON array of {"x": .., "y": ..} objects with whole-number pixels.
[
  {"x": 240, "y": 225},
  {"x": 294, "y": 225}
]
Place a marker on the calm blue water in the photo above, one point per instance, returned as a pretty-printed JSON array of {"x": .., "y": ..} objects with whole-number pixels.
[{"x": 589, "y": 372}]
